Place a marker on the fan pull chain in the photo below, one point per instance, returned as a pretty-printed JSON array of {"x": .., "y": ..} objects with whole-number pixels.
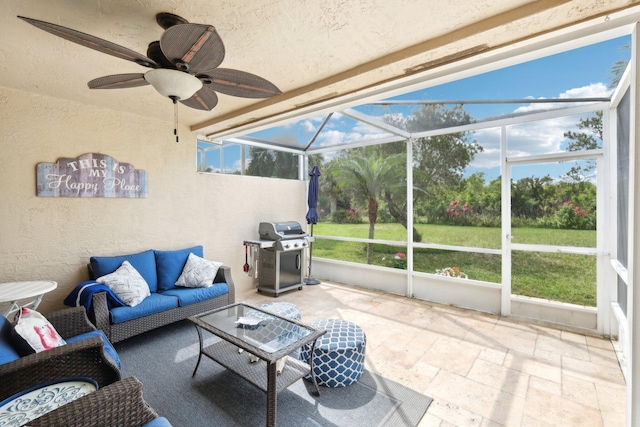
[{"x": 175, "y": 119}]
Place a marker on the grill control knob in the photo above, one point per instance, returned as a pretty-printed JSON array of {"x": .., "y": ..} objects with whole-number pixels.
[
  {"x": 286, "y": 246},
  {"x": 295, "y": 245}
]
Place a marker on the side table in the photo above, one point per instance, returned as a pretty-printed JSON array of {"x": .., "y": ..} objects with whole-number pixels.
[{"x": 15, "y": 291}]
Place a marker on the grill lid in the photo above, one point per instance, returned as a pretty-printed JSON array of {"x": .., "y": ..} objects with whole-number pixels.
[{"x": 280, "y": 230}]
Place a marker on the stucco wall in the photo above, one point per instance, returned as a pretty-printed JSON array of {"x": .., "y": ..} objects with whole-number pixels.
[{"x": 53, "y": 238}]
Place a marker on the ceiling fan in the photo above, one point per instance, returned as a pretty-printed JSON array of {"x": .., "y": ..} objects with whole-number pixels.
[{"x": 184, "y": 63}]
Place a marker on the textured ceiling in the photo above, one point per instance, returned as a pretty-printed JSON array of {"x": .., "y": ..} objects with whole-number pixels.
[{"x": 312, "y": 50}]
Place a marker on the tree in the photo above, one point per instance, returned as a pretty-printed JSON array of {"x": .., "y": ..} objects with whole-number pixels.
[
  {"x": 439, "y": 161},
  {"x": 531, "y": 197},
  {"x": 368, "y": 176},
  {"x": 273, "y": 163},
  {"x": 262, "y": 162},
  {"x": 617, "y": 70},
  {"x": 270, "y": 163},
  {"x": 589, "y": 139},
  {"x": 330, "y": 192}
]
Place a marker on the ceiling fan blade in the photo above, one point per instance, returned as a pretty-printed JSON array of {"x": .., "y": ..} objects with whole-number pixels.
[
  {"x": 204, "y": 99},
  {"x": 154, "y": 52},
  {"x": 118, "y": 81},
  {"x": 192, "y": 47},
  {"x": 92, "y": 42},
  {"x": 239, "y": 83}
]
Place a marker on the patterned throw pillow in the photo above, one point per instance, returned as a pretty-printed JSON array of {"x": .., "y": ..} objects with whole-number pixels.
[
  {"x": 127, "y": 284},
  {"x": 32, "y": 332},
  {"x": 198, "y": 272}
]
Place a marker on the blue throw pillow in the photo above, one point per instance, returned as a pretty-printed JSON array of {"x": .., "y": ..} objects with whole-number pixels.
[
  {"x": 8, "y": 351},
  {"x": 144, "y": 262},
  {"x": 170, "y": 265}
]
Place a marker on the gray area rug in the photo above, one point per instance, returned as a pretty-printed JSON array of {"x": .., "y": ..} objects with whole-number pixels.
[{"x": 164, "y": 360}]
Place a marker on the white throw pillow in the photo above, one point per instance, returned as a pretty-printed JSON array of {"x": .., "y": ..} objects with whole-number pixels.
[
  {"x": 35, "y": 333},
  {"x": 127, "y": 284},
  {"x": 198, "y": 272}
]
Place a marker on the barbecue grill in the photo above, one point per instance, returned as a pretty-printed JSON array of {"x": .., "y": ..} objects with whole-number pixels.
[{"x": 280, "y": 256}]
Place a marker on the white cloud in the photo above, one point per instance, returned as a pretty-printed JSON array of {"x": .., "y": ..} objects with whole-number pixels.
[
  {"x": 489, "y": 158},
  {"x": 307, "y": 126},
  {"x": 342, "y": 130},
  {"x": 397, "y": 117},
  {"x": 359, "y": 131},
  {"x": 594, "y": 90},
  {"x": 237, "y": 164},
  {"x": 525, "y": 139},
  {"x": 545, "y": 136},
  {"x": 333, "y": 137},
  {"x": 367, "y": 129}
]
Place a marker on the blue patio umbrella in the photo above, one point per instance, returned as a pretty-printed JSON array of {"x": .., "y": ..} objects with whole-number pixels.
[{"x": 312, "y": 216}]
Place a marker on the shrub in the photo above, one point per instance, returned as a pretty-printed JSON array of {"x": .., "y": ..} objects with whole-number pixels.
[
  {"x": 459, "y": 215},
  {"x": 384, "y": 216},
  {"x": 573, "y": 217},
  {"x": 346, "y": 216},
  {"x": 487, "y": 220},
  {"x": 400, "y": 261}
]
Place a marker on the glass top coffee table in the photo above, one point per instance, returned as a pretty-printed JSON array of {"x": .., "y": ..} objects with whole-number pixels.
[{"x": 268, "y": 336}]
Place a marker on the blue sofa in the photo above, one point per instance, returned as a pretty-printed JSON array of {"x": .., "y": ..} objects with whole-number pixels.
[{"x": 166, "y": 304}]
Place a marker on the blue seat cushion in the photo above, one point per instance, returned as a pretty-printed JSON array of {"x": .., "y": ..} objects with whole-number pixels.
[
  {"x": 150, "y": 305},
  {"x": 170, "y": 264},
  {"x": 108, "y": 347},
  {"x": 187, "y": 296},
  {"x": 144, "y": 262},
  {"x": 8, "y": 352},
  {"x": 158, "y": 422}
]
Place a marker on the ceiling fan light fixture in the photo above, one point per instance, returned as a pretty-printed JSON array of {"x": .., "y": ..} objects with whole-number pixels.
[{"x": 173, "y": 83}]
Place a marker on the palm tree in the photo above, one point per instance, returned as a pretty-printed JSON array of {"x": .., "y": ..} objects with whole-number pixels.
[
  {"x": 329, "y": 189},
  {"x": 367, "y": 177}
]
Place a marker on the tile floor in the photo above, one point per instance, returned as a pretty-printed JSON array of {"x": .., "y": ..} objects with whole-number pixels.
[{"x": 480, "y": 369}]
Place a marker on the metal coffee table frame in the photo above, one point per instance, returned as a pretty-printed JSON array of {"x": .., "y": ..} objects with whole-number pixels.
[{"x": 226, "y": 353}]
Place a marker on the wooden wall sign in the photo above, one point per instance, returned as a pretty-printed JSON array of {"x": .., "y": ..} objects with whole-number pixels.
[{"x": 90, "y": 175}]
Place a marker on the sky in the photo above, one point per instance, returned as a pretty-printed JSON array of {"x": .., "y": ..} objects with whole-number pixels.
[{"x": 583, "y": 72}]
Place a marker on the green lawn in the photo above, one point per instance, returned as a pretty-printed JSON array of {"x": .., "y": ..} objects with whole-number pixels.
[
  {"x": 485, "y": 237},
  {"x": 560, "y": 277}
]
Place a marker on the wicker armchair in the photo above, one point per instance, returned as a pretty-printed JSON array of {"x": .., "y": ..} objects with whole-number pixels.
[
  {"x": 119, "y": 404},
  {"x": 85, "y": 358}
]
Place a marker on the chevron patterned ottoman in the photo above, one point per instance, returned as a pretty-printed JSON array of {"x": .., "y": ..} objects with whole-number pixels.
[
  {"x": 339, "y": 354},
  {"x": 284, "y": 309}
]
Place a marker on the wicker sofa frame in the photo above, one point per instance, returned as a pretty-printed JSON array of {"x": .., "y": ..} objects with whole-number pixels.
[
  {"x": 99, "y": 313},
  {"x": 85, "y": 358},
  {"x": 119, "y": 404}
]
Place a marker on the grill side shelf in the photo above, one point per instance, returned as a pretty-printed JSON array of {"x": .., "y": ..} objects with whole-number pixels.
[{"x": 262, "y": 244}]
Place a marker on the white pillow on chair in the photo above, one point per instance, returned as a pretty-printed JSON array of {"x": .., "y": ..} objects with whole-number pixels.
[{"x": 34, "y": 332}]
